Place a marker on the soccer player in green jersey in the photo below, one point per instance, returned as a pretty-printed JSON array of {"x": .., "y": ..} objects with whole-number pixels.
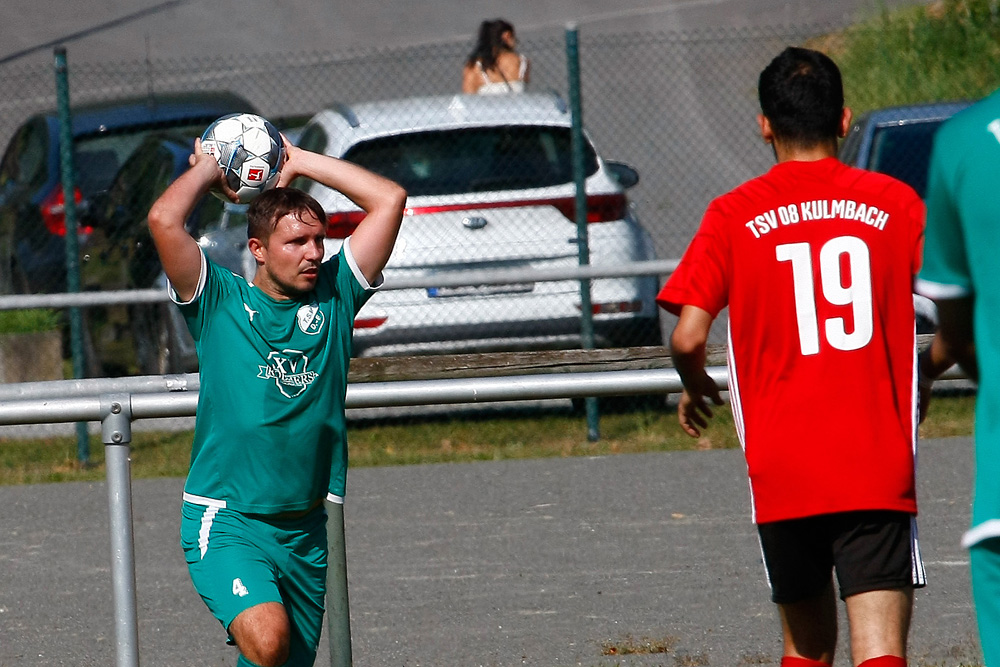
[
  {"x": 962, "y": 276},
  {"x": 270, "y": 442}
]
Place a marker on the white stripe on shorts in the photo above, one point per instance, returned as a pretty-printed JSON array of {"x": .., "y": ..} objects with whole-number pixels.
[
  {"x": 212, "y": 507},
  {"x": 980, "y": 532},
  {"x": 206, "y": 528},
  {"x": 919, "y": 573}
]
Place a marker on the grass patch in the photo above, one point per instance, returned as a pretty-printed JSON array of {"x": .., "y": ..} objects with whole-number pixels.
[
  {"x": 947, "y": 50},
  {"x": 950, "y": 415},
  {"x": 524, "y": 436},
  {"x": 33, "y": 320}
]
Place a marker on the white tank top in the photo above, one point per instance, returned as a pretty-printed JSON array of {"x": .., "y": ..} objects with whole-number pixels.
[{"x": 502, "y": 87}]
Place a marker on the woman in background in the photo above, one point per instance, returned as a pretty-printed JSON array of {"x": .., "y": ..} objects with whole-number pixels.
[{"x": 495, "y": 67}]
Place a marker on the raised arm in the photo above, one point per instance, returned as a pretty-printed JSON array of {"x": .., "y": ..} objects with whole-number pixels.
[
  {"x": 382, "y": 199},
  {"x": 179, "y": 253}
]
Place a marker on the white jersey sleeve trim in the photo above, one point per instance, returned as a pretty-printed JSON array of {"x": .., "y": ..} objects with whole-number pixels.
[
  {"x": 202, "y": 277},
  {"x": 356, "y": 270},
  {"x": 938, "y": 291},
  {"x": 983, "y": 531},
  {"x": 335, "y": 499},
  {"x": 202, "y": 500}
]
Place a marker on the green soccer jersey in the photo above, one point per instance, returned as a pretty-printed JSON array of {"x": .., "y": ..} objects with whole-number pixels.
[
  {"x": 960, "y": 260},
  {"x": 270, "y": 434}
]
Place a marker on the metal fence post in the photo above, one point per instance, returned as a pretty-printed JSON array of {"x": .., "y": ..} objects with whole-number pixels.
[
  {"x": 338, "y": 613},
  {"x": 68, "y": 176},
  {"x": 582, "y": 238},
  {"x": 116, "y": 432}
]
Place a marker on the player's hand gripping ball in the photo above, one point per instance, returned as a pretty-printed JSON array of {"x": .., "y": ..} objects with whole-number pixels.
[{"x": 249, "y": 150}]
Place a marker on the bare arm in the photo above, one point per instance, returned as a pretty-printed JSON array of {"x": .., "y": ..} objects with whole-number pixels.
[
  {"x": 955, "y": 329},
  {"x": 952, "y": 343},
  {"x": 179, "y": 253},
  {"x": 688, "y": 350},
  {"x": 932, "y": 362},
  {"x": 382, "y": 199},
  {"x": 471, "y": 79}
]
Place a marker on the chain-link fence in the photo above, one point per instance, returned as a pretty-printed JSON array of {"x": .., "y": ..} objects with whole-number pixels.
[{"x": 679, "y": 108}]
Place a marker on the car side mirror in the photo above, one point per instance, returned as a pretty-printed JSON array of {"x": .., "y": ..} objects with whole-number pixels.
[{"x": 626, "y": 175}]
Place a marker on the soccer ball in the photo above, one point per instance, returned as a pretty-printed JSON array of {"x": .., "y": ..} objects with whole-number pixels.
[{"x": 249, "y": 150}]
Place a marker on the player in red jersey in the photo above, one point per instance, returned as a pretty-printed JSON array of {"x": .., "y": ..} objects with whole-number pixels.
[{"x": 816, "y": 262}]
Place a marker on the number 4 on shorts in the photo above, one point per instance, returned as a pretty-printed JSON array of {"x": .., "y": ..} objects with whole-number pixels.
[{"x": 238, "y": 588}]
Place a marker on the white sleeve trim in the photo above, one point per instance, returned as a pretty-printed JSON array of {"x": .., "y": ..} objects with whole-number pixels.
[
  {"x": 356, "y": 270},
  {"x": 202, "y": 500},
  {"x": 202, "y": 277},
  {"x": 939, "y": 291},
  {"x": 335, "y": 499},
  {"x": 983, "y": 531}
]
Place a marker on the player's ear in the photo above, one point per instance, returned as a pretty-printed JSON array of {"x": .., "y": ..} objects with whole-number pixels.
[
  {"x": 846, "y": 117},
  {"x": 765, "y": 128},
  {"x": 257, "y": 249}
]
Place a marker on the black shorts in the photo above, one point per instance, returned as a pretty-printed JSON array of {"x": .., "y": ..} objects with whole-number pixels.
[{"x": 870, "y": 550}]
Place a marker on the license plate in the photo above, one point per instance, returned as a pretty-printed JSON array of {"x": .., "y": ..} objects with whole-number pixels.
[{"x": 479, "y": 290}]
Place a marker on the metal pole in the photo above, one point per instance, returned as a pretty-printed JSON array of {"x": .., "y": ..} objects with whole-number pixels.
[
  {"x": 582, "y": 238},
  {"x": 338, "y": 617},
  {"x": 66, "y": 166},
  {"x": 116, "y": 432}
]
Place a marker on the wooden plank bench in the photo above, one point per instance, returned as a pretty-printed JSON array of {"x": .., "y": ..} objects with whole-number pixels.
[{"x": 498, "y": 364}]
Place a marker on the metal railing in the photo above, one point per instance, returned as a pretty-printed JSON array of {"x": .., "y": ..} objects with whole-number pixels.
[
  {"x": 449, "y": 279},
  {"x": 116, "y": 403}
]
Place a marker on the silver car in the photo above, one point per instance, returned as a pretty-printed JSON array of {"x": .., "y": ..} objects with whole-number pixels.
[{"x": 491, "y": 189}]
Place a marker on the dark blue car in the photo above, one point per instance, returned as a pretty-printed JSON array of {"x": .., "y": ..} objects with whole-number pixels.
[
  {"x": 897, "y": 141},
  {"x": 32, "y": 219}
]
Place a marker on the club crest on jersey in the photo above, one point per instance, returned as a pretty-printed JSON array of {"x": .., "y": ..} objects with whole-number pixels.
[
  {"x": 311, "y": 319},
  {"x": 290, "y": 371}
]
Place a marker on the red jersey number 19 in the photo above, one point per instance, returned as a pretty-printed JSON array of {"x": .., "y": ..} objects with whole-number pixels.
[{"x": 857, "y": 294}]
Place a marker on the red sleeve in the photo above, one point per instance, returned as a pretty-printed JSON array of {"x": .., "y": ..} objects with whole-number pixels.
[{"x": 702, "y": 277}]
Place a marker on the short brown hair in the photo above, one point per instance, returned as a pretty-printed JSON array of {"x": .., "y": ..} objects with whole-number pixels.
[{"x": 274, "y": 204}]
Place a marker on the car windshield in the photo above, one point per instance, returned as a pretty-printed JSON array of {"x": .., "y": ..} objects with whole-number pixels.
[
  {"x": 98, "y": 157},
  {"x": 903, "y": 151},
  {"x": 473, "y": 160}
]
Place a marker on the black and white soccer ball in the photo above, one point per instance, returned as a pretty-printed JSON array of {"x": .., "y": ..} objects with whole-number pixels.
[{"x": 249, "y": 150}]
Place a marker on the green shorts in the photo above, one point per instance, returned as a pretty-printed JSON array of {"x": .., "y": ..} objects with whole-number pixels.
[
  {"x": 985, "y": 557},
  {"x": 239, "y": 560}
]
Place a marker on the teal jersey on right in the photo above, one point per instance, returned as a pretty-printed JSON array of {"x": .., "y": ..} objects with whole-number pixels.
[
  {"x": 960, "y": 260},
  {"x": 270, "y": 434}
]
